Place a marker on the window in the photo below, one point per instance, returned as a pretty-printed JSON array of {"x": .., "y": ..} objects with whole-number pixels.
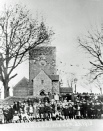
[{"x": 42, "y": 81}]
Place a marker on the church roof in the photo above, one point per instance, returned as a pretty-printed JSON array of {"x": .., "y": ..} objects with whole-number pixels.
[
  {"x": 54, "y": 77},
  {"x": 23, "y": 82},
  {"x": 66, "y": 90}
]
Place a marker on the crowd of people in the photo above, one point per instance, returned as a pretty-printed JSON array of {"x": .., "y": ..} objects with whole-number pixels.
[{"x": 46, "y": 109}]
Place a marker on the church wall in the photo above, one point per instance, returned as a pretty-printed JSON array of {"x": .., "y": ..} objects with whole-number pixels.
[
  {"x": 55, "y": 85},
  {"x": 20, "y": 91},
  {"x": 42, "y": 58},
  {"x": 42, "y": 82}
]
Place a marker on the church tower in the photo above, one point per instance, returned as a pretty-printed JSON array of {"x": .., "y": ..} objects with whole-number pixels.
[{"x": 42, "y": 58}]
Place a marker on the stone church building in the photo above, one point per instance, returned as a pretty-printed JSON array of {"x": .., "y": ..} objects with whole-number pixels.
[{"x": 43, "y": 77}]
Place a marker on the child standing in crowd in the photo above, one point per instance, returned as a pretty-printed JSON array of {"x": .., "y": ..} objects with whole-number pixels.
[
  {"x": 78, "y": 111},
  {"x": 66, "y": 112},
  {"x": 31, "y": 110},
  {"x": 26, "y": 108},
  {"x": 35, "y": 110}
]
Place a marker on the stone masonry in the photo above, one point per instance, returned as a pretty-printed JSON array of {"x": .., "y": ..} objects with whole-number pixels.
[
  {"x": 42, "y": 82},
  {"x": 42, "y": 58}
]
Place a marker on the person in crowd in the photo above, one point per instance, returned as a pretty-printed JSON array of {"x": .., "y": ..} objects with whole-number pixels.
[
  {"x": 95, "y": 107},
  {"x": 92, "y": 110},
  {"x": 70, "y": 109},
  {"x": 35, "y": 110},
  {"x": 46, "y": 98},
  {"x": 66, "y": 112},
  {"x": 46, "y": 111},
  {"x": 31, "y": 110},
  {"x": 15, "y": 106},
  {"x": 84, "y": 108},
  {"x": 78, "y": 111},
  {"x": 16, "y": 118},
  {"x": 53, "y": 117},
  {"x": 74, "y": 110},
  {"x": 7, "y": 114},
  {"x": 28, "y": 102},
  {"x": 41, "y": 111},
  {"x": 81, "y": 108},
  {"x": 18, "y": 106},
  {"x": 22, "y": 105},
  {"x": 26, "y": 108},
  {"x": 99, "y": 109},
  {"x": 11, "y": 112},
  {"x": 89, "y": 110}
]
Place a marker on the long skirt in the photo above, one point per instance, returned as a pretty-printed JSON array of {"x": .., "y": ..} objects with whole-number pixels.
[{"x": 78, "y": 113}]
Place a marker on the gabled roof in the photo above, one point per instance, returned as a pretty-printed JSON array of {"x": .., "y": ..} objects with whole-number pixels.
[
  {"x": 54, "y": 77},
  {"x": 66, "y": 90},
  {"x": 24, "y": 81},
  {"x": 40, "y": 72}
]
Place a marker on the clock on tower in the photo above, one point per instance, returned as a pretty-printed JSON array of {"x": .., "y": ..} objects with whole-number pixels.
[{"x": 42, "y": 63}]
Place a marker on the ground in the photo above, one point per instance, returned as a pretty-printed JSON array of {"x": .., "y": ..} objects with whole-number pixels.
[{"x": 66, "y": 125}]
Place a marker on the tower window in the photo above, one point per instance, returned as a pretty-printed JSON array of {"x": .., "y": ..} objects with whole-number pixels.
[{"x": 42, "y": 81}]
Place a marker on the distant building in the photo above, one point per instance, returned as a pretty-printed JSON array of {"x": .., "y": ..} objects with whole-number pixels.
[{"x": 66, "y": 92}]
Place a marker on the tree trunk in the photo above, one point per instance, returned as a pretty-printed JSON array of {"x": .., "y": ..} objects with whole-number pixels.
[{"x": 6, "y": 89}]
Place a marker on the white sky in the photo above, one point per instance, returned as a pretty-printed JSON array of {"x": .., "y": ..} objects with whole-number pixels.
[{"x": 69, "y": 19}]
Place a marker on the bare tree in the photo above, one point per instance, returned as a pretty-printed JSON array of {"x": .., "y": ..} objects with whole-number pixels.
[
  {"x": 87, "y": 82},
  {"x": 70, "y": 79},
  {"x": 98, "y": 84},
  {"x": 19, "y": 33},
  {"x": 92, "y": 43}
]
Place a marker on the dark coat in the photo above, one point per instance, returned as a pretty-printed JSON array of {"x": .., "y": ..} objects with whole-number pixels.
[
  {"x": 65, "y": 111},
  {"x": 46, "y": 109}
]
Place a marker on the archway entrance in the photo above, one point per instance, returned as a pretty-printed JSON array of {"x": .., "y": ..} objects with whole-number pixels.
[{"x": 42, "y": 93}]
